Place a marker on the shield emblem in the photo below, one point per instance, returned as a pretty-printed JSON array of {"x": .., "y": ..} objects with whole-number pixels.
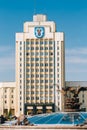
[{"x": 39, "y": 32}]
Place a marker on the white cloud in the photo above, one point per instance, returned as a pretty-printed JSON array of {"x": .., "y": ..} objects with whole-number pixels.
[
  {"x": 7, "y": 63},
  {"x": 77, "y": 55},
  {"x": 76, "y": 64},
  {"x": 5, "y": 49}
]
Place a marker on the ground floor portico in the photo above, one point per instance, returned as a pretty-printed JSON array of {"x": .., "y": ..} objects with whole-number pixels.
[{"x": 38, "y": 108}]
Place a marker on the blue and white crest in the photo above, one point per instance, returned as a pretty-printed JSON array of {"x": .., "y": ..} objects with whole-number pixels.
[{"x": 39, "y": 32}]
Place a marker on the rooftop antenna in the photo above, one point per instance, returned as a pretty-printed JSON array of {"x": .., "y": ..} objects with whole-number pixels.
[{"x": 34, "y": 6}]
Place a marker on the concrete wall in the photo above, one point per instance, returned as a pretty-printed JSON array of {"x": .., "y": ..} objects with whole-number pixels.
[{"x": 43, "y": 127}]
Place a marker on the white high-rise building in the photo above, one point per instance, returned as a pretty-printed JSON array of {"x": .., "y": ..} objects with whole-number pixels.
[{"x": 40, "y": 67}]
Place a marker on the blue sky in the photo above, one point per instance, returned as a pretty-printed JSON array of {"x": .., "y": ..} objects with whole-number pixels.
[{"x": 70, "y": 17}]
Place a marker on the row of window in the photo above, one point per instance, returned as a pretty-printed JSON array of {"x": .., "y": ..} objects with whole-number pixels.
[
  {"x": 37, "y": 98},
  {"x": 37, "y": 92},
  {"x": 38, "y": 59},
  {"x": 39, "y": 81},
  {"x": 40, "y": 48},
  {"x": 40, "y": 70},
  {"x": 11, "y": 101},
  {"x": 38, "y": 76},
  {"x": 41, "y": 87},
  {"x": 36, "y": 42},
  {"x": 12, "y": 96},
  {"x": 11, "y": 90},
  {"x": 39, "y": 64},
  {"x": 38, "y": 53}
]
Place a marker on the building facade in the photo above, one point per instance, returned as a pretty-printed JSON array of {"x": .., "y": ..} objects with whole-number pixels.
[
  {"x": 81, "y": 87},
  {"x": 7, "y": 98},
  {"x": 40, "y": 67}
]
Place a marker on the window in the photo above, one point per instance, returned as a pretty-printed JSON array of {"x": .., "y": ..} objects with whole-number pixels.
[
  {"x": 27, "y": 42},
  {"x": 41, "y": 75},
  {"x": 37, "y": 98},
  {"x": 37, "y": 64},
  {"x": 50, "y": 75},
  {"x": 37, "y": 75},
  {"x": 37, "y": 70},
  {"x": 27, "y": 76},
  {"x": 41, "y": 53},
  {"x": 5, "y": 96},
  {"x": 12, "y": 90},
  {"x": 27, "y": 64},
  {"x": 32, "y": 59},
  {"x": 20, "y": 42},
  {"x": 27, "y": 98},
  {"x": 27, "y": 54},
  {"x": 41, "y": 48},
  {"x": 41, "y": 59},
  {"x": 46, "y": 75},
  {"x": 58, "y": 58},
  {"x": 5, "y": 101},
  {"x": 51, "y": 70},
  {"x": 46, "y": 48},
  {"x": 51, "y": 81},
  {"x": 58, "y": 48},
  {"x": 51, "y": 86},
  {"x": 27, "y": 59},
  {"x": 27, "y": 81},
  {"x": 46, "y": 53},
  {"x": 32, "y": 81},
  {"x": 20, "y": 48},
  {"x": 51, "y": 64},
  {"x": 50, "y": 42},
  {"x": 57, "y": 53},
  {"x": 32, "y": 48},
  {"x": 50, "y": 59},
  {"x": 20, "y": 81},
  {"x": 58, "y": 75},
  {"x": 32, "y": 42},
  {"x": 46, "y": 59},
  {"x": 20, "y": 59},
  {"x": 41, "y": 64},
  {"x": 41, "y": 42},
  {"x": 41, "y": 70},
  {"x": 32, "y": 53},
  {"x": 32, "y": 98},
  {"x": 46, "y": 64},
  {"x": 42, "y": 81},
  {"x": 27, "y": 70},
  {"x": 57, "y": 64},
  {"x": 32, "y": 92},
  {"x": 32, "y": 86},
  {"x": 37, "y": 59},
  {"x": 37, "y": 81},
  {"x": 37, "y": 42},
  {"x": 37, "y": 53},
  {"x": 37, "y": 48},
  {"x": 32, "y": 70},
  {"x": 46, "y": 81},
  {"x": 32, "y": 75},
  {"x": 46, "y": 70},
  {"x": 50, "y": 48},
  {"x": 46, "y": 42}
]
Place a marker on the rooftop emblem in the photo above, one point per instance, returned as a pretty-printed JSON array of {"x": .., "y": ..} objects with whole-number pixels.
[{"x": 39, "y": 32}]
